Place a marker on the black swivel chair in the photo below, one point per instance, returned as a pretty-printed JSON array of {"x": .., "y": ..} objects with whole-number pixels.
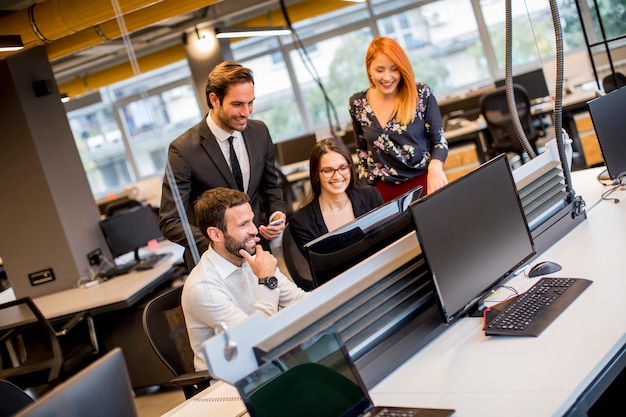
[
  {"x": 120, "y": 205},
  {"x": 501, "y": 132},
  {"x": 164, "y": 325},
  {"x": 289, "y": 194},
  {"x": 613, "y": 82},
  {"x": 296, "y": 263},
  {"x": 35, "y": 355},
  {"x": 12, "y": 398}
]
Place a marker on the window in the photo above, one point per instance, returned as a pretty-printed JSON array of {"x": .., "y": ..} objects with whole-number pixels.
[
  {"x": 532, "y": 30},
  {"x": 454, "y": 45},
  {"x": 124, "y": 137}
]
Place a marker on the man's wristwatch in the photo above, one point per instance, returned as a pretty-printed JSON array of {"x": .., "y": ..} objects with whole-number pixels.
[{"x": 269, "y": 282}]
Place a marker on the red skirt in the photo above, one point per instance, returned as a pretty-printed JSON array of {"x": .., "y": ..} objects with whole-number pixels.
[{"x": 391, "y": 191}]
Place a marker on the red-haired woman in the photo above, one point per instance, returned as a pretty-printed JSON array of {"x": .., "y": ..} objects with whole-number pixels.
[{"x": 397, "y": 125}]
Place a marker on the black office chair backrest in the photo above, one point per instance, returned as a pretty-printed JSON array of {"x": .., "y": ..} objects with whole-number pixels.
[
  {"x": 613, "y": 82},
  {"x": 289, "y": 195},
  {"x": 120, "y": 205},
  {"x": 495, "y": 110},
  {"x": 296, "y": 263},
  {"x": 101, "y": 389},
  {"x": 164, "y": 325},
  {"x": 12, "y": 399},
  {"x": 30, "y": 352}
]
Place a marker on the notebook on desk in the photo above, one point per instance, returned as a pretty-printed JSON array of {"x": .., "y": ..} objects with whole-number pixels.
[{"x": 316, "y": 378}]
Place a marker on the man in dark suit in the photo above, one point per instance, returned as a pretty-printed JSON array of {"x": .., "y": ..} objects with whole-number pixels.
[{"x": 226, "y": 149}]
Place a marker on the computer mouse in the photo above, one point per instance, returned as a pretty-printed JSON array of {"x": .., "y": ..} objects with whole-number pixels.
[{"x": 543, "y": 268}]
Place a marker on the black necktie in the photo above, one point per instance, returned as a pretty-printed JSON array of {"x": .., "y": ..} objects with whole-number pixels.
[{"x": 234, "y": 165}]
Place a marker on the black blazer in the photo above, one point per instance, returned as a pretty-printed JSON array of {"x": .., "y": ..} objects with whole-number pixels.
[
  {"x": 197, "y": 165},
  {"x": 308, "y": 223}
]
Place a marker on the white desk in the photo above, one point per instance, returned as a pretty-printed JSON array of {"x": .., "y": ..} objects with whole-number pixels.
[
  {"x": 118, "y": 292},
  {"x": 479, "y": 375},
  {"x": 543, "y": 376}
]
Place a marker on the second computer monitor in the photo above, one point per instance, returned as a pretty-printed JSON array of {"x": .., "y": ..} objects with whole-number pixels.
[
  {"x": 473, "y": 234},
  {"x": 130, "y": 230},
  {"x": 294, "y": 150},
  {"x": 607, "y": 114},
  {"x": 533, "y": 81}
]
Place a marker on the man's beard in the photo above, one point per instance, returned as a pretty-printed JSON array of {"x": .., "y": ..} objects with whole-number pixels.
[{"x": 233, "y": 246}]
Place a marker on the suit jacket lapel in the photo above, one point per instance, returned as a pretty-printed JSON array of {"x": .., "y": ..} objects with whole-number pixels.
[{"x": 213, "y": 150}]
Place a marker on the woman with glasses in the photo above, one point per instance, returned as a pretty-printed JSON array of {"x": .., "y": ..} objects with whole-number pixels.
[
  {"x": 334, "y": 199},
  {"x": 397, "y": 125}
]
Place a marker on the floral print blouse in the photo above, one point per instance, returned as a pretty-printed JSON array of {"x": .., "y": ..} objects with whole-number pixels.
[{"x": 396, "y": 153}]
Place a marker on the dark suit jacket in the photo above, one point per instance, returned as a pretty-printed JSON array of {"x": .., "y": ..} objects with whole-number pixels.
[
  {"x": 308, "y": 223},
  {"x": 197, "y": 165}
]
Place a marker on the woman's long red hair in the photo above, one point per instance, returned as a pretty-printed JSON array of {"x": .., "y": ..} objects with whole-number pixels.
[{"x": 407, "y": 91}]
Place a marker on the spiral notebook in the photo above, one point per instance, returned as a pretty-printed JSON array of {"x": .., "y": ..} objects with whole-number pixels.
[{"x": 220, "y": 400}]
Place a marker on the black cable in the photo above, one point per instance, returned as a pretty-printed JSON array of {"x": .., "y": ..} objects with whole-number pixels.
[
  {"x": 615, "y": 185},
  {"x": 308, "y": 64}
]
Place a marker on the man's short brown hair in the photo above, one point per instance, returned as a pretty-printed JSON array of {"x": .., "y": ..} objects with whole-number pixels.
[
  {"x": 210, "y": 207},
  {"x": 223, "y": 76}
]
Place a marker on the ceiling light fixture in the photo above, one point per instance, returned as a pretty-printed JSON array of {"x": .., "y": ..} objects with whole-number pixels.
[
  {"x": 246, "y": 32},
  {"x": 11, "y": 43}
]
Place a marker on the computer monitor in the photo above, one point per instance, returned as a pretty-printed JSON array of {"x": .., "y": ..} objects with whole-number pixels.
[
  {"x": 101, "y": 389},
  {"x": 607, "y": 115},
  {"x": 473, "y": 234},
  {"x": 130, "y": 230},
  {"x": 533, "y": 81},
  {"x": 349, "y": 140},
  {"x": 335, "y": 252},
  {"x": 294, "y": 150}
]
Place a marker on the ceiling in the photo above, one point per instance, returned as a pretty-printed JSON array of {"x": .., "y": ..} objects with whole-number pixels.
[{"x": 76, "y": 46}]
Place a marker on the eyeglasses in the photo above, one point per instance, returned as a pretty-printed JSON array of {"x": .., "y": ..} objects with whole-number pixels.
[{"x": 330, "y": 172}]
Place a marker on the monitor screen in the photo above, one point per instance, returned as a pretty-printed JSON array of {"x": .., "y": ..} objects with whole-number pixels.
[
  {"x": 297, "y": 379},
  {"x": 335, "y": 252},
  {"x": 130, "y": 230},
  {"x": 101, "y": 389},
  {"x": 294, "y": 150},
  {"x": 533, "y": 81},
  {"x": 607, "y": 114},
  {"x": 473, "y": 234}
]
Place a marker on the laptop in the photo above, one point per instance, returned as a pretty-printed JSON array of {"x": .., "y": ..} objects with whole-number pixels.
[{"x": 316, "y": 378}]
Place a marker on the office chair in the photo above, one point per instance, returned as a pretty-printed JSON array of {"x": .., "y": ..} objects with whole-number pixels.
[
  {"x": 120, "y": 205},
  {"x": 33, "y": 354},
  {"x": 296, "y": 263},
  {"x": 613, "y": 82},
  {"x": 495, "y": 111},
  {"x": 305, "y": 390},
  {"x": 164, "y": 325},
  {"x": 102, "y": 389},
  {"x": 12, "y": 398},
  {"x": 289, "y": 194}
]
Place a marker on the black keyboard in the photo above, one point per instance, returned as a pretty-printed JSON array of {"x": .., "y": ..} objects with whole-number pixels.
[
  {"x": 531, "y": 312},
  {"x": 151, "y": 261},
  {"x": 116, "y": 270}
]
